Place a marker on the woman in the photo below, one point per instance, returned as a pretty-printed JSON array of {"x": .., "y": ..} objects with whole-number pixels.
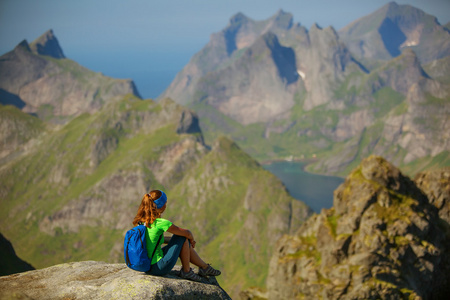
[{"x": 181, "y": 244}]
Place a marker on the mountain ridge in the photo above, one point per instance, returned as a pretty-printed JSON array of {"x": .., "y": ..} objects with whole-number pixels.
[
  {"x": 38, "y": 79},
  {"x": 323, "y": 97}
]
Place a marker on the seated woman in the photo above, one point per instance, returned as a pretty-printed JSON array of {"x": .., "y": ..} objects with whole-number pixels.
[{"x": 181, "y": 244}]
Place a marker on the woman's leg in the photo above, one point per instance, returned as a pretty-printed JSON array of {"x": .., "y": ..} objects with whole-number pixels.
[
  {"x": 189, "y": 255},
  {"x": 171, "y": 253},
  {"x": 195, "y": 258},
  {"x": 185, "y": 256}
]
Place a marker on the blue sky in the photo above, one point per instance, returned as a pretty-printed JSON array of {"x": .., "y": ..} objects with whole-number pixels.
[{"x": 150, "y": 40}]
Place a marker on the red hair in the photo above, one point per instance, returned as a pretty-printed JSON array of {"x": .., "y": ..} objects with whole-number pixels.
[{"x": 147, "y": 212}]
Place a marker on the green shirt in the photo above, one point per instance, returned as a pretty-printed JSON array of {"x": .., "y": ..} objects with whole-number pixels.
[{"x": 152, "y": 234}]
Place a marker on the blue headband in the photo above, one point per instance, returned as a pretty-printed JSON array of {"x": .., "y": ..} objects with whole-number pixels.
[{"x": 161, "y": 200}]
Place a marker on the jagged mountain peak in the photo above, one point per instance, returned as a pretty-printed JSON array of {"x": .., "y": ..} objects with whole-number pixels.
[
  {"x": 24, "y": 45},
  {"x": 374, "y": 20},
  {"x": 317, "y": 29},
  {"x": 389, "y": 7},
  {"x": 47, "y": 44},
  {"x": 315, "y": 26},
  {"x": 239, "y": 18},
  {"x": 384, "y": 33},
  {"x": 283, "y": 19}
]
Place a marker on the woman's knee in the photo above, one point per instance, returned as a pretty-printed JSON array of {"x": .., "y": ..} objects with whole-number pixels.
[{"x": 178, "y": 238}]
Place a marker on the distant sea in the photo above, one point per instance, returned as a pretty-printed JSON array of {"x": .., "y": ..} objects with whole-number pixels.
[
  {"x": 315, "y": 190},
  {"x": 151, "y": 74}
]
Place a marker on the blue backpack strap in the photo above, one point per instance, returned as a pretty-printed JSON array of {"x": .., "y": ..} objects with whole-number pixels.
[{"x": 157, "y": 243}]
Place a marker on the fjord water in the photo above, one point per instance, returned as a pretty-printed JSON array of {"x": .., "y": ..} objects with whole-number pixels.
[{"x": 315, "y": 190}]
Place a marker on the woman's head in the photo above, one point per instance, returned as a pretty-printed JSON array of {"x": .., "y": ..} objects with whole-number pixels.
[{"x": 152, "y": 206}]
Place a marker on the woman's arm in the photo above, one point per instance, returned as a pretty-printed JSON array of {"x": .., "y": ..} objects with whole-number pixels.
[{"x": 182, "y": 232}]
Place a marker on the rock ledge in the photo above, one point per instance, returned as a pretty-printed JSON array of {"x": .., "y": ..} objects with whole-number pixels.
[{"x": 100, "y": 280}]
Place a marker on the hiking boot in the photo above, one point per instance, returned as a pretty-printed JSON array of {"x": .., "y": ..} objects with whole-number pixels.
[
  {"x": 208, "y": 271},
  {"x": 190, "y": 275}
]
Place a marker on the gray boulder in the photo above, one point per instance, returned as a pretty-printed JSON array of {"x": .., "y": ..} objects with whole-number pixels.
[{"x": 100, "y": 280}]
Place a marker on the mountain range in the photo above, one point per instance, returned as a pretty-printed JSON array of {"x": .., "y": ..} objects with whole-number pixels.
[
  {"x": 78, "y": 150},
  {"x": 379, "y": 85}
]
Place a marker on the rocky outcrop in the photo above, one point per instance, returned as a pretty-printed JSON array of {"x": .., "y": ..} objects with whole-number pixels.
[
  {"x": 99, "y": 280},
  {"x": 385, "y": 237},
  {"x": 436, "y": 186},
  {"x": 10, "y": 263},
  {"x": 47, "y": 44}
]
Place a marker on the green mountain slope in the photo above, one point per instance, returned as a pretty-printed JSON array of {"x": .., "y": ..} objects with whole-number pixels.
[
  {"x": 238, "y": 209},
  {"x": 16, "y": 129},
  {"x": 76, "y": 193}
]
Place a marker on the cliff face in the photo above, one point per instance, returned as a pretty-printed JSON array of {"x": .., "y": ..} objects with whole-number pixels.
[
  {"x": 386, "y": 237},
  {"x": 99, "y": 280},
  {"x": 10, "y": 263},
  {"x": 38, "y": 79}
]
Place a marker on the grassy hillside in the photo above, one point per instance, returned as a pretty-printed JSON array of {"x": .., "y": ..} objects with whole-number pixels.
[
  {"x": 238, "y": 210},
  {"x": 75, "y": 194}
]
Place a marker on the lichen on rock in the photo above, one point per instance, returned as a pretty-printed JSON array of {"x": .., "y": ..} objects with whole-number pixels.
[
  {"x": 99, "y": 280},
  {"x": 384, "y": 238}
]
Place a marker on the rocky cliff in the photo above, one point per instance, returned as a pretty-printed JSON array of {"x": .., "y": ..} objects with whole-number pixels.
[
  {"x": 38, "y": 79},
  {"x": 386, "y": 237},
  {"x": 10, "y": 263},
  {"x": 99, "y": 280}
]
